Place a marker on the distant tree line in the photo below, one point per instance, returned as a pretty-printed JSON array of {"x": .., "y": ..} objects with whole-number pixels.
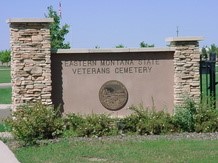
[
  {"x": 142, "y": 45},
  {"x": 5, "y": 56}
]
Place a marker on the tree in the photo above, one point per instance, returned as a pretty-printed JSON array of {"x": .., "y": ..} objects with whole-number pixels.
[
  {"x": 5, "y": 56},
  {"x": 57, "y": 32},
  {"x": 206, "y": 51},
  {"x": 120, "y": 46},
  {"x": 145, "y": 45},
  {"x": 213, "y": 49}
]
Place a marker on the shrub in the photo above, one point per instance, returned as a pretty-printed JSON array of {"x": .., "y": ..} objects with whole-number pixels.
[
  {"x": 34, "y": 122},
  {"x": 143, "y": 121},
  {"x": 155, "y": 123},
  {"x": 184, "y": 115},
  {"x": 73, "y": 121},
  {"x": 206, "y": 118},
  {"x": 128, "y": 124},
  {"x": 96, "y": 125},
  {"x": 159, "y": 122}
]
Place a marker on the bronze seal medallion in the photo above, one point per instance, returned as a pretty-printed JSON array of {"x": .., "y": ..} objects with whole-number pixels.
[{"x": 113, "y": 95}]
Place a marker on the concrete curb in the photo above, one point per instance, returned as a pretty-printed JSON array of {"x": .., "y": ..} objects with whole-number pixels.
[
  {"x": 6, "y": 155},
  {"x": 5, "y": 85}
]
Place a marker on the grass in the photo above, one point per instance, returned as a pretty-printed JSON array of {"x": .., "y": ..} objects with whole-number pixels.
[
  {"x": 4, "y": 128},
  {"x": 5, "y": 95},
  {"x": 205, "y": 90},
  {"x": 5, "y": 76},
  {"x": 121, "y": 151}
]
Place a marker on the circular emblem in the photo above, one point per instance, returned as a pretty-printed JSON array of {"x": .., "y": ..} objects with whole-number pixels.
[{"x": 113, "y": 95}]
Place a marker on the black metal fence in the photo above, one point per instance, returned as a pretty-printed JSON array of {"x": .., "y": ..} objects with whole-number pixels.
[{"x": 208, "y": 77}]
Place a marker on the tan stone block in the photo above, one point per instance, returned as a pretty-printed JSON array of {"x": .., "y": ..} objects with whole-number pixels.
[
  {"x": 24, "y": 39},
  {"x": 36, "y": 70},
  {"x": 37, "y": 38},
  {"x": 36, "y": 90},
  {"x": 40, "y": 78},
  {"x": 29, "y": 92},
  {"x": 46, "y": 95},
  {"x": 27, "y": 69},
  {"x": 188, "y": 65},
  {"x": 23, "y": 83},
  {"x": 39, "y": 86},
  {"x": 47, "y": 89}
]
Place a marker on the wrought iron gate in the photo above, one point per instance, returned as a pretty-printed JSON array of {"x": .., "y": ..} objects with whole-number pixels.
[{"x": 208, "y": 77}]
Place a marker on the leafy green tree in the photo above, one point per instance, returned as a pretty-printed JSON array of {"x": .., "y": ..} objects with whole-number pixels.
[
  {"x": 206, "y": 51},
  {"x": 5, "y": 56},
  {"x": 120, "y": 46},
  {"x": 57, "y": 32},
  {"x": 145, "y": 45},
  {"x": 213, "y": 49}
]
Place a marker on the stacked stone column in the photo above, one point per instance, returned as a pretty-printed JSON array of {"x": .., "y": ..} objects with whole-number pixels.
[
  {"x": 186, "y": 68},
  {"x": 31, "y": 63}
]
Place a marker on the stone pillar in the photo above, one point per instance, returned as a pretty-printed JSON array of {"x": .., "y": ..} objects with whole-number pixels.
[
  {"x": 30, "y": 60},
  {"x": 186, "y": 68}
]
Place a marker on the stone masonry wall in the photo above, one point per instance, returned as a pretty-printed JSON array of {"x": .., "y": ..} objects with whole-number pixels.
[
  {"x": 186, "y": 67},
  {"x": 31, "y": 64}
]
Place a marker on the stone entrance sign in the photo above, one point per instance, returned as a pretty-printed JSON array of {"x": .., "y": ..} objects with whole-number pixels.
[
  {"x": 100, "y": 80},
  {"x": 112, "y": 80}
]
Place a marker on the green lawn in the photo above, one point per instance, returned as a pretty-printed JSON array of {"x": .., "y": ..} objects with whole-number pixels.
[
  {"x": 5, "y": 76},
  {"x": 5, "y": 95},
  {"x": 4, "y": 128},
  {"x": 121, "y": 151},
  {"x": 205, "y": 83}
]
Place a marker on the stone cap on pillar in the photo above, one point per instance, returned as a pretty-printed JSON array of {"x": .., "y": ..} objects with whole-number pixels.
[
  {"x": 184, "y": 41},
  {"x": 30, "y": 20}
]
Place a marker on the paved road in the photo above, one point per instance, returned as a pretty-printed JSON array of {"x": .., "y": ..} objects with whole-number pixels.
[
  {"x": 6, "y": 155},
  {"x": 5, "y": 85}
]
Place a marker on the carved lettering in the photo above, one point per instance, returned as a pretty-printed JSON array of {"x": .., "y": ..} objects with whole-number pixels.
[{"x": 112, "y": 66}]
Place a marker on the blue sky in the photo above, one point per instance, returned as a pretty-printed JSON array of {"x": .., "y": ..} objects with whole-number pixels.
[{"x": 107, "y": 23}]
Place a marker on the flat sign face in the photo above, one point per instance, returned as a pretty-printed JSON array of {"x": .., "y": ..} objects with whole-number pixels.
[{"x": 109, "y": 83}]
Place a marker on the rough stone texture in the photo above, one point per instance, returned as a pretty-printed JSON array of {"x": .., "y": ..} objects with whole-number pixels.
[
  {"x": 31, "y": 64},
  {"x": 186, "y": 66}
]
